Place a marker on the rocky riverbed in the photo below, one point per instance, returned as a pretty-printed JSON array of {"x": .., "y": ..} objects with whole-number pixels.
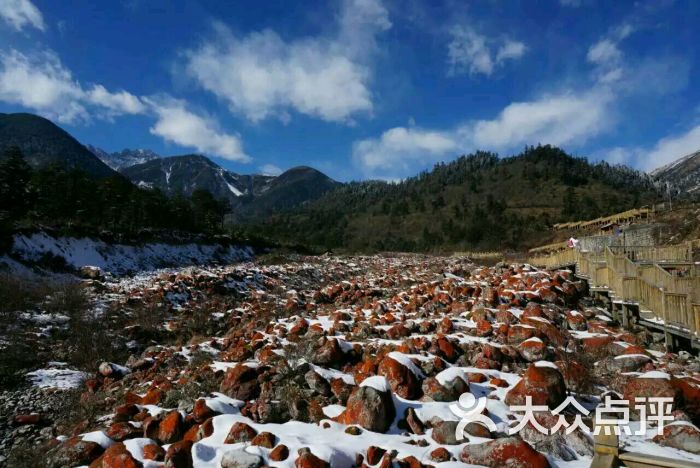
[{"x": 351, "y": 361}]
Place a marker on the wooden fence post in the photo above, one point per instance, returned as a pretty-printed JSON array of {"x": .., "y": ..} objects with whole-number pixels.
[{"x": 606, "y": 449}]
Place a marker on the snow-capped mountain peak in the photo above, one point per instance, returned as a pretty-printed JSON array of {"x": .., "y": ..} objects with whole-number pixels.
[{"x": 124, "y": 158}]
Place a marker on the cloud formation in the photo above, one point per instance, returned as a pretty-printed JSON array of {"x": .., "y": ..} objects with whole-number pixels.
[
  {"x": 262, "y": 75},
  {"x": 176, "y": 124},
  {"x": 270, "y": 170},
  {"x": 473, "y": 53},
  {"x": 557, "y": 119},
  {"x": 41, "y": 83},
  {"x": 20, "y": 14}
]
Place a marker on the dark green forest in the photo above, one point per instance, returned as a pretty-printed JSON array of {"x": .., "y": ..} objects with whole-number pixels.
[
  {"x": 479, "y": 201},
  {"x": 70, "y": 201}
]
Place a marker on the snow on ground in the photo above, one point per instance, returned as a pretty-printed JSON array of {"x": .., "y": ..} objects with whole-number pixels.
[
  {"x": 360, "y": 307},
  {"x": 119, "y": 258},
  {"x": 56, "y": 378}
]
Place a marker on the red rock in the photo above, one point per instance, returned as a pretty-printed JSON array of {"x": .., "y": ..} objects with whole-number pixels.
[
  {"x": 153, "y": 452},
  {"x": 341, "y": 390},
  {"x": 307, "y": 459},
  {"x": 73, "y": 452},
  {"x": 192, "y": 433},
  {"x": 510, "y": 451},
  {"x": 483, "y": 328},
  {"x": 445, "y": 349},
  {"x": 329, "y": 354},
  {"x": 690, "y": 389},
  {"x": 171, "y": 428},
  {"x": 544, "y": 384},
  {"x": 241, "y": 382},
  {"x": 476, "y": 377},
  {"x": 680, "y": 436},
  {"x": 402, "y": 380},
  {"x": 498, "y": 382},
  {"x": 596, "y": 344},
  {"x": 369, "y": 408},
  {"x": 446, "y": 326},
  {"x": 410, "y": 462},
  {"x": 179, "y": 455},
  {"x": 264, "y": 439},
  {"x": 125, "y": 412},
  {"x": 532, "y": 350},
  {"x": 116, "y": 456},
  {"x": 518, "y": 333},
  {"x": 26, "y": 419},
  {"x": 641, "y": 387},
  {"x": 240, "y": 432},
  {"x": 121, "y": 431},
  {"x": 152, "y": 397},
  {"x": 440, "y": 454},
  {"x": 279, "y": 453},
  {"x": 201, "y": 412},
  {"x": 398, "y": 331},
  {"x": 414, "y": 422},
  {"x": 205, "y": 429},
  {"x": 375, "y": 454}
]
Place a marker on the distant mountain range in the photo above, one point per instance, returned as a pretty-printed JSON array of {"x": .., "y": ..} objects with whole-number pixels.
[
  {"x": 682, "y": 176},
  {"x": 479, "y": 200},
  {"x": 125, "y": 158},
  {"x": 43, "y": 143}
]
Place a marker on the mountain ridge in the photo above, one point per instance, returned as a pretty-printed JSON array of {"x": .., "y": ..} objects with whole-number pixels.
[
  {"x": 125, "y": 158},
  {"x": 44, "y": 143},
  {"x": 681, "y": 177}
]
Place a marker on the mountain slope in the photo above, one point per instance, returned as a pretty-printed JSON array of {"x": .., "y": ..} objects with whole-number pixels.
[
  {"x": 475, "y": 202},
  {"x": 43, "y": 143},
  {"x": 682, "y": 176},
  {"x": 293, "y": 187},
  {"x": 124, "y": 158},
  {"x": 250, "y": 196},
  {"x": 185, "y": 174}
]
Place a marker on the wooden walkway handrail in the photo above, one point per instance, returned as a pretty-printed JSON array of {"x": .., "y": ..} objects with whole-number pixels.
[{"x": 661, "y": 280}]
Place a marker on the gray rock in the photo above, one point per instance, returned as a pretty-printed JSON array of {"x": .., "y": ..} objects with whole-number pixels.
[{"x": 240, "y": 459}]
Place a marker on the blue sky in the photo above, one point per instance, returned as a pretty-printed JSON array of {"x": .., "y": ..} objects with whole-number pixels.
[{"x": 359, "y": 88}]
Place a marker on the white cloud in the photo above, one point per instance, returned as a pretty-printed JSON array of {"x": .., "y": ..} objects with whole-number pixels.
[
  {"x": 41, "y": 83},
  {"x": 559, "y": 119},
  {"x": 398, "y": 148},
  {"x": 604, "y": 52},
  {"x": 262, "y": 75},
  {"x": 21, "y": 13},
  {"x": 510, "y": 50},
  {"x": 473, "y": 53},
  {"x": 121, "y": 102},
  {"x": 270, "y": 170},
  {"x": 178, "y": 125}
]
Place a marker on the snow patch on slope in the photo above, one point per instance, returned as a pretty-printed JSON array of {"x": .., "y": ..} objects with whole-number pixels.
[{"x": 119, "y": 258}]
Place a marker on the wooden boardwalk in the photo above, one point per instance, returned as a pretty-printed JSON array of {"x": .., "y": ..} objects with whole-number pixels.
[{"x": 657, "y": 286}]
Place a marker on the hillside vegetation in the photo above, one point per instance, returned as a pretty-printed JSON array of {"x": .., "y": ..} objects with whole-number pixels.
[
  {"x": 475, "y": 202},
  {"x": 70, "y": 201}
]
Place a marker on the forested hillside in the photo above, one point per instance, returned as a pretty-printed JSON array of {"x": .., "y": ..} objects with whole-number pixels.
[
  {"x": 70, "y": 201},
  {"x": 476, "y": 201}
]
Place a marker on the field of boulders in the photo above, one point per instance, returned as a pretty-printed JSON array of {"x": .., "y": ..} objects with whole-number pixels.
[{"x": 350, "y": 361}]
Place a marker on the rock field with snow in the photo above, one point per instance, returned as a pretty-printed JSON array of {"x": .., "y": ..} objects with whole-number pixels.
[{"x": 361, "y": 361}]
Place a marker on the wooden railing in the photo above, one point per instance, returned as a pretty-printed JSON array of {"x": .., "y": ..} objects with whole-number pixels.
[
  {"x": 625, "y": 216},
  {"x": 661, "y": 280}
]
